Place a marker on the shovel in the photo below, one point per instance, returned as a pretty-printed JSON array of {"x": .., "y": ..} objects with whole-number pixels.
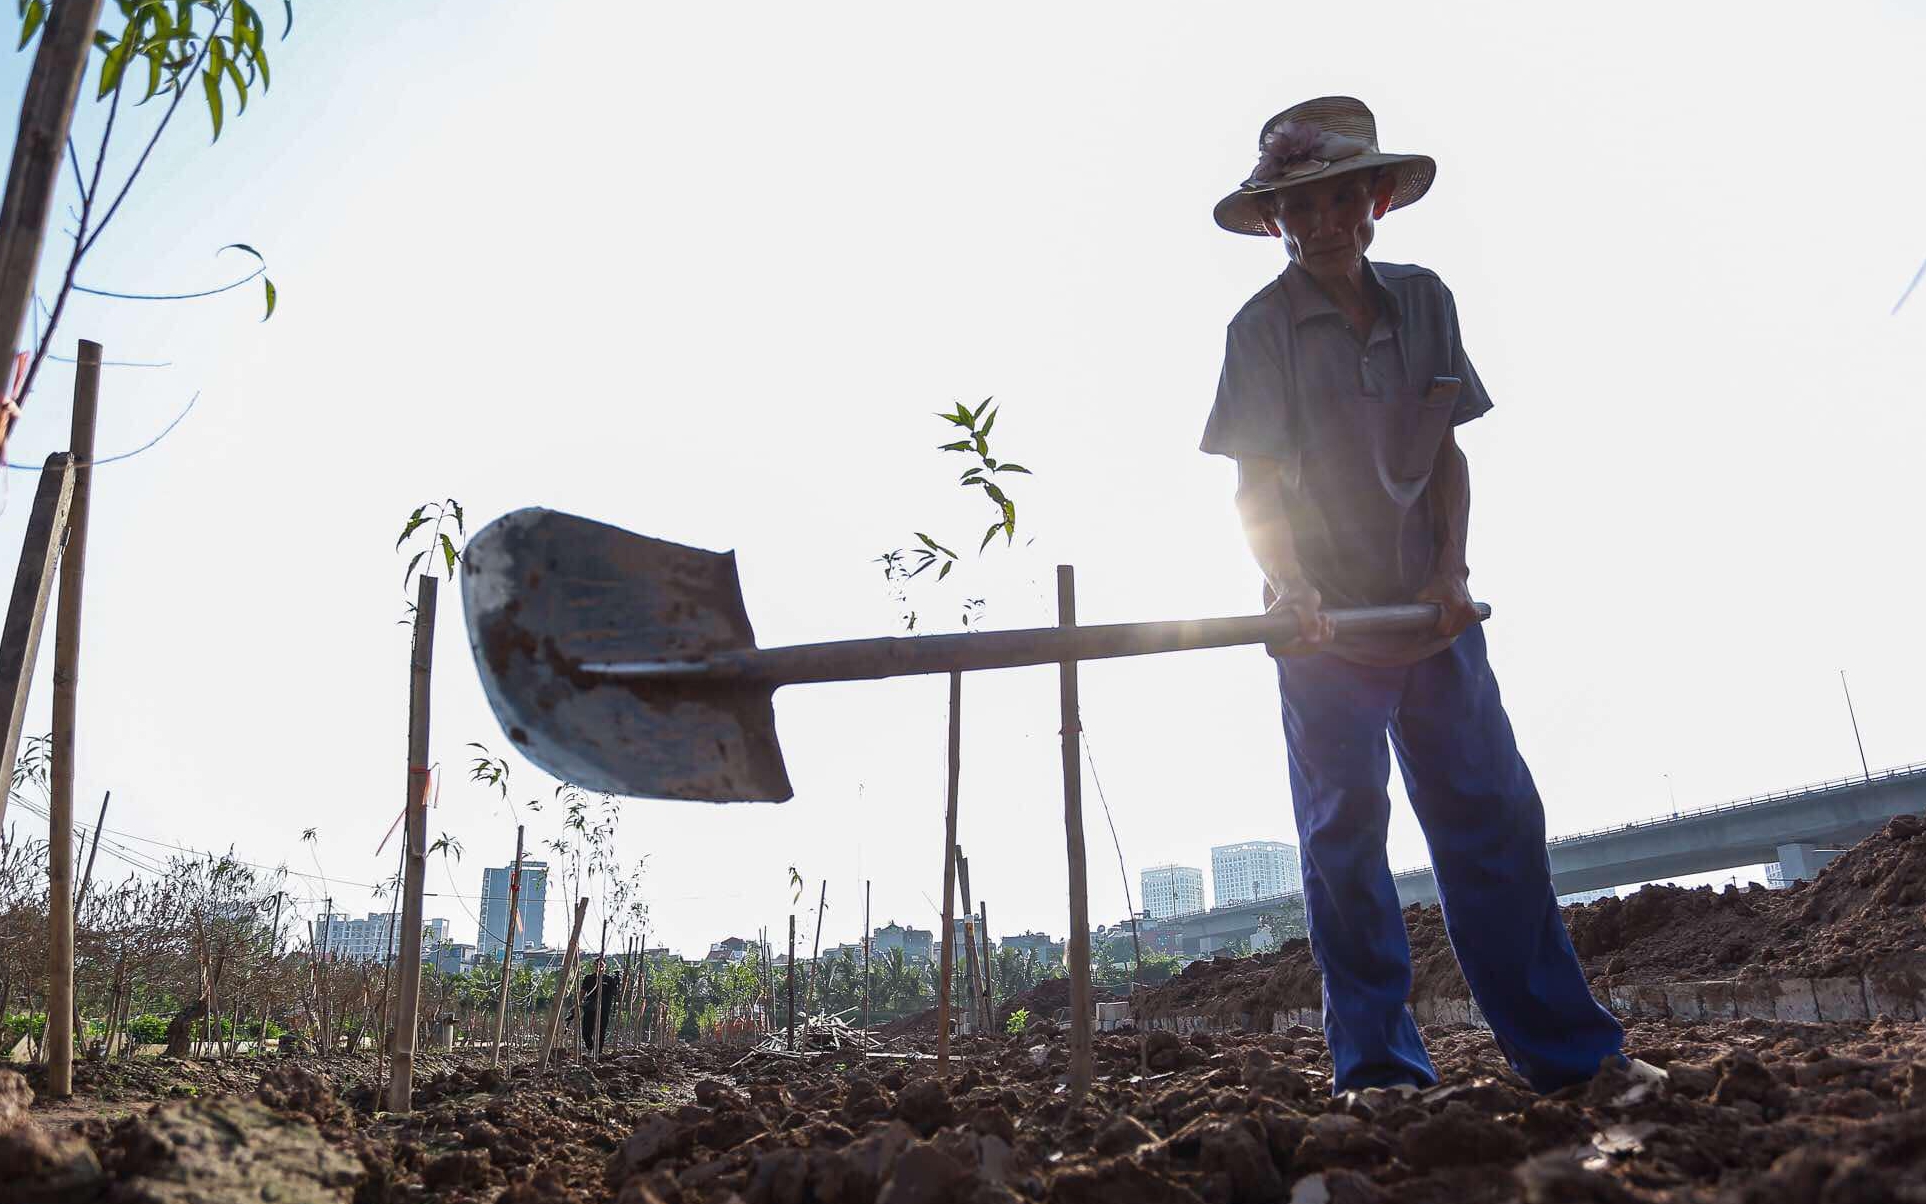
[{"x": 627, "y": 665}]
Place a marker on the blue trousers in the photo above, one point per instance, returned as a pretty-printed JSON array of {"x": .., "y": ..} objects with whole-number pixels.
[{"x": 1485, "y": 825}]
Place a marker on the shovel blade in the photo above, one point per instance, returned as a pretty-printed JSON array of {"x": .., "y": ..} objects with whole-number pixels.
[{"x": 544, "y": 592}]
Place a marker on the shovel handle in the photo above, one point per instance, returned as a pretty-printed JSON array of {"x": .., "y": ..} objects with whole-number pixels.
[{"x": 900, "y": 656}]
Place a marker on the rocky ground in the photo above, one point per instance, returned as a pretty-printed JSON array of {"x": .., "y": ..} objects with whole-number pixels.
[{"x": 1748, "y": 1111}]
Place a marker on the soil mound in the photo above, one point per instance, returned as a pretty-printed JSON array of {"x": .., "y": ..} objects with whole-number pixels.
[{"x": 1865, "y": 914}]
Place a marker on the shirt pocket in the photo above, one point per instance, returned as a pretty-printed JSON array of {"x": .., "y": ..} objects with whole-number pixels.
[{"x": 1427, "y": 417}]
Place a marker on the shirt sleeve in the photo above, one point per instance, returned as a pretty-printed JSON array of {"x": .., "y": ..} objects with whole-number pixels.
[
  {"x": 1473, "y": 401},
  {"x": 1253, "y": 414}
]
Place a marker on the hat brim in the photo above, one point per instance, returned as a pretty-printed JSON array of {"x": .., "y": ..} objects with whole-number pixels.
[{"x": 1243, "y": 211}]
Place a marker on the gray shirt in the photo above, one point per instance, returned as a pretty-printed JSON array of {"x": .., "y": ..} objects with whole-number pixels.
[{"x": 1356, "y": 421}]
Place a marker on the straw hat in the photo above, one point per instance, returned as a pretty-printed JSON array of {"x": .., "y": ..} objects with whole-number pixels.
[{"x": 1317, "y": 140}]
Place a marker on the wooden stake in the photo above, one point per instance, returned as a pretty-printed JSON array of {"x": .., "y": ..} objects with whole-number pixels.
[
  {"x": 87, "y": 875},
  {"x": 274, "y": 955},
  {"x": 66, "y": 707},
  {"x": 563, "y": 982},
  {"x": 46, "y": 116},
  {"x": 1079, "y": 950},
  {"x": 508, "y": 948},
  {"x": 989, "y": 979},
  {"x": 949, "y": 876},
  {"x": 792, "y": 980},
  {"x": 816, "y": 958},
  {"x": 866, "y": 985},
  {"x": 27, "y": 608},
  {"x": 969, "y": 940},
  {"x": 401, "y": 1083}
]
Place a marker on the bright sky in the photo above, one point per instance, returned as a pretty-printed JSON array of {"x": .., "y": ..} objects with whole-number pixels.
[{"x": 705, "y": 273}]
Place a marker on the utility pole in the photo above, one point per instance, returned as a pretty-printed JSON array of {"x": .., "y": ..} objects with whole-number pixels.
[
  {"x": 66, "y": 712},
  {"x": 508, "y": 947},
  {"x": 1863, "y": 767}
]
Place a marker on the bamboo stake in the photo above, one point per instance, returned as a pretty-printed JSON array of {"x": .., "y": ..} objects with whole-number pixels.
[
  {"x": 601, "y": 988},
  {"x": 274, "y": 955},
  {"x": 989, "y": 981},
  {"x": 87, "y": 875},
  {"x": 66, "y": 708},
  {"x": 792, "y": 981},
  {"x": 1079, "y": 947},
  {"x": 27, "y": 606},
  {"x": 401, "y": 1083},
  {"x": 562, "y": 982},
  {"x": 949, "y": 876},
  {"x": 508, "y": 948}
]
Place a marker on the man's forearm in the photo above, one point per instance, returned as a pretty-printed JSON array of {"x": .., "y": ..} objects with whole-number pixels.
[{"x": 1450, "y": 506}]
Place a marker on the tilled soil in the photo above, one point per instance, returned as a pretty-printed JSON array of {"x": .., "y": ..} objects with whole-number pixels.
[
  {"x": 1864, "y": 915},
  {"x": 1749, "y": 1111}
]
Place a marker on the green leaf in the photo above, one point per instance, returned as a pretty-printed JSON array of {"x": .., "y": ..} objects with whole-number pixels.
[
  {"x": 260, "y": 62},
  {"x": 240, "y": 86},
  {"x": 414, "y": 520},
  {"x": 211, "y": 84},
  {"x": 154, "y": 56},
  {"x": 448, "y": 555},
  {"x": 1008, "y": 467},
  {"x": 241, "y": 246},
  {"x": 1009, "y": 518},
  {"x": 987, "y": 424},
  {"x": 947, "y": 566},
  {"x": 953, "y": 420},
  {"x": 927, "y": 541},
  {"x": 417, "y": 560},
  {"x": 982, "y": 447},
  {"x": 456, "y": 507},
  {"x": 216, "y": 56},
  {"x": 268, "y": 287},
  {"x": 289, "y": 6},
  {"x": 961, "y": 445},
  {"x": 103, "y": 40},
  {"x": 110, "y": 70},
  {"x": 989, "y": 535},
  {"x": 996, "y": 494},
  {"x": 979, "y": 409},
  {"x": 30, "y": 20}
]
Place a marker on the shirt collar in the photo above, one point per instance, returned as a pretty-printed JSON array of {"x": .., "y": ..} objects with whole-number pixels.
[{"x": 1308, "y": 299}]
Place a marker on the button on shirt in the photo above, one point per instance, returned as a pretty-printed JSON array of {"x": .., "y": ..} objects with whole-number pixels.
[{"x": 1356, "y": 419}]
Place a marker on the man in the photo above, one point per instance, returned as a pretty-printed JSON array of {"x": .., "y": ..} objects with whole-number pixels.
[
  {"x": 596, "y": 1002},
  {"x": 1343, "y": 383}
]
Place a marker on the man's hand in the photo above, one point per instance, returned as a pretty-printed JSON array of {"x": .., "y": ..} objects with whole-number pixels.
[
  {"x": 1314, "y": 627},
  {"x": 1453, "y": 595}
]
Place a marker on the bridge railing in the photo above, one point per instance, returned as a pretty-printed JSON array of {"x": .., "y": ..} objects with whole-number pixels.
[{"x": 1832, "y": 785}]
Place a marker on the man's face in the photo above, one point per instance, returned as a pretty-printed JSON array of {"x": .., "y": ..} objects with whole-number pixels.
[{"x": 1327, "y": 225}]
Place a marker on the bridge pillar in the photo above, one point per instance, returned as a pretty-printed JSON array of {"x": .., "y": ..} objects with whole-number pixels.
[{"x": 1802, "y": 862}]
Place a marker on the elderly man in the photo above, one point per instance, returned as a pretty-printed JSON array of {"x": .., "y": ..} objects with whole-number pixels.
[{"x": 1344, "y": 381}]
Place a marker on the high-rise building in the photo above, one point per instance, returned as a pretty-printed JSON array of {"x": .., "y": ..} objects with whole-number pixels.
[
  {"x": 494, "y": 908},
  {"x": 1255, "y": 869},
  {"x": 369, "y": 940},
  {"x": 1171, "y": 890}
]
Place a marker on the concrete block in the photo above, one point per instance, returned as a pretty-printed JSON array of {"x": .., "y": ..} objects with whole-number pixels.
[
  {"x": 1892, "y": 996},
  {"x": 1840, "y": 998},
  {"x": 1716, "y": 1001},
  {"x": 1623, "y": 1001},
  {"x": 1682, "y": 1000},
  {"x": 1752, "y": 999},
  {"x": 1792, "y": 999},
  {"x": 1454, "y": 1011},
  {"x": 1650, "y": 1000}
]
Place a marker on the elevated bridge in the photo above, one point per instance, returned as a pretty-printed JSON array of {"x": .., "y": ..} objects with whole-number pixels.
[{"x": 1801, "y": 829}]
